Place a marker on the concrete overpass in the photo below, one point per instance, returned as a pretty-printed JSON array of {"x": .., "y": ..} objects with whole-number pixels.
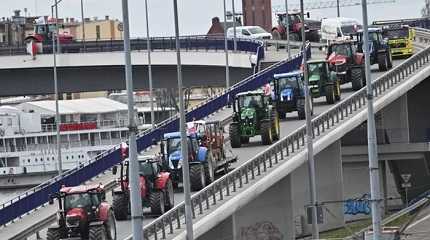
[{"x": 233, "y": 205}]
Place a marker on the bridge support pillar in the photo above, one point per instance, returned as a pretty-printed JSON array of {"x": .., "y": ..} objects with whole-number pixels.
[{"x": 328, "y": 166}]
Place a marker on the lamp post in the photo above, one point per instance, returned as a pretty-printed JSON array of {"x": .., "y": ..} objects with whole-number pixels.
[
  {"x": 56, "y": 92},
  {"x": 83, "y": 25},
  {"x": 148, "y": 48},
  {"x": 287, "y": 28},
  {"x": 309, "y": 135},
  {"x": 338, "y": 9},
  {"x": 234, "y": 26},
  {"x": 371, "y": 134},
  {"x": 227, "y": 68},
  {"x": 184, "y": 150},
  {"x": 135, "y": 197}
]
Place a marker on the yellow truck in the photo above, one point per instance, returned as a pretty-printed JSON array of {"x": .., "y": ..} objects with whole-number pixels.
[{"x": 400, "y": 37}]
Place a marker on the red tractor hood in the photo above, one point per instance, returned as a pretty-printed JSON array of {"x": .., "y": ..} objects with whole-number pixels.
[
  {"x": 336, "y": 59},
  {"x": 78, "y": 213}
]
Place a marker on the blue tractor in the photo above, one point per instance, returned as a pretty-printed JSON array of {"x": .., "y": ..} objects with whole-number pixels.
[
  {"x": 289, "y": 94},
  {"x": 380, "y": 52}
]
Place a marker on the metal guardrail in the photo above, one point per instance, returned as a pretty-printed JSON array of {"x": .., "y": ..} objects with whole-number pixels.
[
  {"x": 278, "y": 44},
  {"x": 50, "y": 219},
  {"x": 38, "y": 195},
  {"x": 188, "y": 43},
  {"x": 207, "y": 199}
]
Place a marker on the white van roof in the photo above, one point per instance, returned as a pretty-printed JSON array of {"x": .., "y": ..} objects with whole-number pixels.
[{"x": 340, "y": 21}]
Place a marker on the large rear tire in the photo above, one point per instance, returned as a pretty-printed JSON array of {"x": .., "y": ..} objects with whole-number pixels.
[
  {"x": 266, "y": 133},
  {"x": 169, "y": 195},
  {"x": 301, "y": 109},
  {"x": 157, "y": 202},
  {"x": 338, "y": 92},
  {"x": 330, "y": 94},
  {"x": 209, "y": 169},
  {"x": 120, "y": 206},
  {"x": 390, "y": 59},
  {"x": 276, "y": 132},
  {"x": 53, "y": 234},
  {"x": 197, "y": 177},
  {"x": 110, "y": 226},
  {"x": 244, "y": 140},
  {"x": 357, "y": 79},
  {"x": 383, "y": 61},
  {"x": 97, "y": 233},
  {"x": 276, "y": 35},
  {"x": 234, "y": 132}
]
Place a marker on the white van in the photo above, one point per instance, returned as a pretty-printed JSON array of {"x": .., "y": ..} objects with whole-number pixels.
[
  {"x": 252, "y": 32},
  {"x": 338, "y": 28}
]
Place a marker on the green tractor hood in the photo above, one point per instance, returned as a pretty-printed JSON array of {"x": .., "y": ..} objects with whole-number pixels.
[{"x": 247, "y": 113}]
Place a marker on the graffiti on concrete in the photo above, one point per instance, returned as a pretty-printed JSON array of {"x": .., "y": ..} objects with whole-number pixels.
[
  {"x": 261, "y": 231},
  {"x": 356, "y": 206}
]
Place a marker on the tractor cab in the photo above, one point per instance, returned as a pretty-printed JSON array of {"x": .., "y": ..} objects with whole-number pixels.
[
  {"x": 288, "y": 87},
  {"x": 44, "y": 29},
  {"x": 251, "y": 108},
  {"x": 323, "y": 81},
  {"x": 83, "y": 212},
  {"x": 341, "y": 53}
]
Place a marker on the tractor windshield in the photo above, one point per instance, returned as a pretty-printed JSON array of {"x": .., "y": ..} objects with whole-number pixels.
[
  {"x": 341, "y": 49},
  {"x": 250, "y": 101},
  {"x": 80, "y": 200},
  {"x": 316, "y": 70},
  {"x": 288, "y": 82},
  {"x": 174, "y": 145}
]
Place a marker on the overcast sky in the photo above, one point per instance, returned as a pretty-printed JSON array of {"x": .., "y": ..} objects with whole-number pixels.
[{"x": 195, "y": 15}]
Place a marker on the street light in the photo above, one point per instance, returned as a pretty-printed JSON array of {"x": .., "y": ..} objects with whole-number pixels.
[
  {"x": 309, "y": 140},
  {"x": 136, "y": 200},
  {"x": 234, "y": 26},
  {"x": 148, "y": 48},
  {"x": 83, "y": 25},
  {"x": 227, "y": 69},
  {"x": 184, "y": 150},
  {"x": 371, "y": 134},
  {"x": 57, "y": 110},
  {"x": 287, "y": 28}
]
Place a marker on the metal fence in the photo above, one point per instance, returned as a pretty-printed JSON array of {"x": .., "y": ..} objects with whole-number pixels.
[
  {"x": 39, "y": 195},
  {"x": 241, "y": 177}
]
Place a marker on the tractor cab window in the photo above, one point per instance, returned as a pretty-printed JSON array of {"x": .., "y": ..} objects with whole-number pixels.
[
  {"x": 78, "y": 200},
  {"x": 251, "y": 101},
  {"x": 316, "y": 69},
  {"x": 396, "y": 33},
  {"x": 40, "y": 29},
  {"x": 373, "y": 36},
  {"x": 147, "y": 168},
  {"x": 174, "y": 144},
  {"x": 341, "y": 49},
  {"x": 288, "y": 82}
]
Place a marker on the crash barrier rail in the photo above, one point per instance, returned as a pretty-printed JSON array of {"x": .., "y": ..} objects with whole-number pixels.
[
  {"x": 209, "y": 197},
  {"x": 282, "y": 44},
  {"x": 188, "y": 43},
  {"x": 50, "y": 219},
  {"x": 39, "y": 195}
]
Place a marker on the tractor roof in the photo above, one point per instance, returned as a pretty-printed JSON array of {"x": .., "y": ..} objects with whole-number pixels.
[
  {"x": 288, "y": 74},
  {"x": 82, "y": 189},
  {"x": 176, "y": 135},
  {"x": 317, "y": 61},
  {"x": 256, "y": 92}
]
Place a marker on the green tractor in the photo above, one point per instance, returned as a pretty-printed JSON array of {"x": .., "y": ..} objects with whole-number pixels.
[
  {"x": 253, "y": 115},
  {"x": 323, "y": 82}
]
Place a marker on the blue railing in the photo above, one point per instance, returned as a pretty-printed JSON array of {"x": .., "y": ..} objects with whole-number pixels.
[
  {"x": 197, "y": 42},
  {"x": 39, "y": 195}
]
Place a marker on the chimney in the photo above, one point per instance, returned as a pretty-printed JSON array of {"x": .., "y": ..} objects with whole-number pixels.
[
  {"x": 17, "y": 13},
  {"x": 107, "y": 17},
  {"x": 215, "y": 20}
]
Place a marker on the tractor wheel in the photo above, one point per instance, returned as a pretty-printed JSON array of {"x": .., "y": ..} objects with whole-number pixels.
[
  {"x": 282, "y": 115},
  {"x": 276, "y": 132},
  {"x": 266, "y": 132},
  {"x": 197, "y": 177},
  {"x": 383, "y": 62},
  {"x": 169, "y": 196},
  {"x": 357, "y": 78},
  {"x": 244, "y": 140},
  {"x": 209, "y": 169},
  {"x": 234, "y": 132},
  {"x": 110, "y": 226},
  {"x": 330, "y": 94},
  {"x": 120, "y": 206},
  {"x": 301, "y": 109},
  {"x": 276, "y": 35},
  {"x": 390, "y": 60},
  {"x": 53, "y": 234},
  {"x": 97, "y": 233},
  {"x": 338, "y": 94},
  {"x": 157, "y": 202}
]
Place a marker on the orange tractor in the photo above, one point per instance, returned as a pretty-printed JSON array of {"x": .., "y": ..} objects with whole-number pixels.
[{"x": 83, "y": 214}]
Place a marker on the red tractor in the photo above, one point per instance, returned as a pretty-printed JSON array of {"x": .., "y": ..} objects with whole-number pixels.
[
  {"x": 348, "y": 64},
  {"x": 83, "y": 214},
  {"x": 295, "y": 26},
  {"x": 44, "y": 29},
  {"x": 156, "y": 187}
]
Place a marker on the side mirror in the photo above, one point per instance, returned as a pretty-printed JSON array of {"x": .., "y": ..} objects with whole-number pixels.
[
  {"x": 114, "y": 170},
  {"x": 154, "y": 142},
  {"x": 308, "y": 15}
]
